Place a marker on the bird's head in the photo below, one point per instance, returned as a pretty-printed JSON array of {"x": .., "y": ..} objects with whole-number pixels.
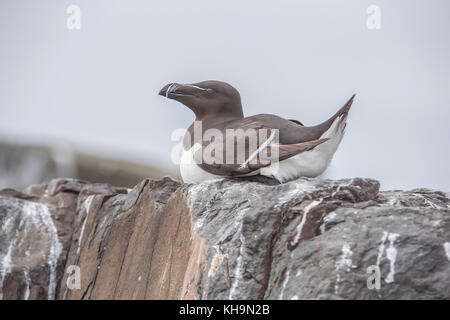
[{"x": 206, "y": 98}]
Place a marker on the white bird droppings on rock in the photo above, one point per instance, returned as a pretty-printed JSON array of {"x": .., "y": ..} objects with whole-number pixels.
[
  {"x": 391, "y": 254},
  {"x": 447, "y": 250},
  {"x": 87, "y": 206},
  {"x": 285, "y": 282},
  {"x": 344, "y": 262},
  {"x": 5, "y": 266},
  {"x": 239, "y": 270},
  {"x": 381, "y": 248},
  {"x": 299, "y": 228},
  {"x": 27, "y": 283}
]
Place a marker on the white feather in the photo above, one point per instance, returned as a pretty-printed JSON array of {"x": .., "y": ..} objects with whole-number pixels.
[{"x": 254, "y": 154}]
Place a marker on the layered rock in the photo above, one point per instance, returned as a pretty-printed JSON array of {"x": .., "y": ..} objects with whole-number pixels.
[
  {"x": 225, "y": 239},
  {"x": 36, "y": 233}
]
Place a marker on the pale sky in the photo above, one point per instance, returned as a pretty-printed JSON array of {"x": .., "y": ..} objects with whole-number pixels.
[{"x": 97, "y": 88}]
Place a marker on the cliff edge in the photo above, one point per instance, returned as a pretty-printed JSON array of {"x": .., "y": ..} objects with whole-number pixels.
[{"x": 224, "y": 239}]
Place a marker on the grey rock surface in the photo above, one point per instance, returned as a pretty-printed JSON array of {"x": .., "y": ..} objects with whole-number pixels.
[
  {"x": 316, "y": 239},
  {"x": 225, "y": 239}
]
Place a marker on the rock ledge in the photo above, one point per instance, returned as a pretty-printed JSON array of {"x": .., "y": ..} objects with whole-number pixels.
[{"x": 224, "y": 239}]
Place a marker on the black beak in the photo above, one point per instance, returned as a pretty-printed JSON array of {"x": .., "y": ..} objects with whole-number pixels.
[{"x": 169, "y": 90}]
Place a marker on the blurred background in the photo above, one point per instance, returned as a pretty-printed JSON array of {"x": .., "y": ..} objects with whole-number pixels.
[{"x": 83, "y": 102}]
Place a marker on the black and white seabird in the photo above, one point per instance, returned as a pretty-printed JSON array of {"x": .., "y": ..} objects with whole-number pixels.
[{"x": 302, "y": 151}]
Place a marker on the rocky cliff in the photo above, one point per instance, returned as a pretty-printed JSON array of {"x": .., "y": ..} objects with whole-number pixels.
[{"x": 224, "y": 239}]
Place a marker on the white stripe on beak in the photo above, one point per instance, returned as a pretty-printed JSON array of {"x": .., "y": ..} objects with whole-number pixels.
[
  {"x": 196, "y": 87},
  {"x": 168, "y": 90}
]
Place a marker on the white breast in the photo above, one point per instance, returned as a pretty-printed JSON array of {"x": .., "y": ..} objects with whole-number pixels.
[{"x": 190, "y": 171}]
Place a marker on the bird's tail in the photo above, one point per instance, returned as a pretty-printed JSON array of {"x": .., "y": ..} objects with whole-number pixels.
[
  {"x": 343, "y": 112},
  {"x": 336, "y": 122}
]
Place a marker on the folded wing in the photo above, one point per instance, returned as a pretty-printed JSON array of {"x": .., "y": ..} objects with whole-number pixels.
[{"x": 247, "y": 149}]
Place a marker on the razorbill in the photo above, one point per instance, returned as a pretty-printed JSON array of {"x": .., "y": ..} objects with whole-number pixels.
[{"x": 271, "y": 146}]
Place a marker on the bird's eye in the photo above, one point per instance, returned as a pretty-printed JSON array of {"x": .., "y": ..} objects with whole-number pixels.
[{"x": 209, "y": 90}]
